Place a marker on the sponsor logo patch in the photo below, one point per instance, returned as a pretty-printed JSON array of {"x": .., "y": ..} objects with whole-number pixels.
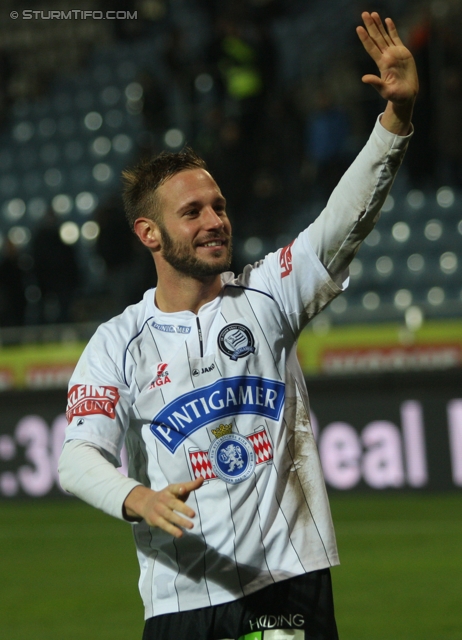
[
  {"x": 161, "y": 377},
  {"x": 292, "y": 621},
  {"x": 171, "y": 328},
  {"x": 88, "y": 399},
  {"x": 236, "y": 340},
  {"x": 285, "y": 260},
  {"x": 197, "y": 372},
  {"x": 214, "y": 403}
]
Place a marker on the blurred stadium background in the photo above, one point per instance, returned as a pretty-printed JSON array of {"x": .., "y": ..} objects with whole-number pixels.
[{"x": 269, "y": 92}]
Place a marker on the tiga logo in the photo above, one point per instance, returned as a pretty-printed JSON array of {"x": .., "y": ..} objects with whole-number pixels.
[
  {"x": 162, "y": 376},
  {"x": 162, "y": 369},
  {"x": 88, "y": 399}
]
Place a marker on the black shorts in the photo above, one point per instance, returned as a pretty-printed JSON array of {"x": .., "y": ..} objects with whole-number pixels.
[{"x": 302, "y": 606}]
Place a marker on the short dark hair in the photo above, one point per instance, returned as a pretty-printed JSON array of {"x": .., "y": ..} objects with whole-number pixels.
[{"x": 142, "y": 181}]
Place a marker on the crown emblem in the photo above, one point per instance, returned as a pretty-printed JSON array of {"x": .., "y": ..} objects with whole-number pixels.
[{"x": 222, "y": 430}]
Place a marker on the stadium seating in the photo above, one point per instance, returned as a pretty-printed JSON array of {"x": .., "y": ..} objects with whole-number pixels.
[
  {"x": 66, "y": 149},
  {"x": 412, "y": 258}
]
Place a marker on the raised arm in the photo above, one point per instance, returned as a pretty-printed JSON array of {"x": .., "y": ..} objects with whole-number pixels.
[
  {"x": 355, "y": 204},
  {"x": 398, "y": 82}
]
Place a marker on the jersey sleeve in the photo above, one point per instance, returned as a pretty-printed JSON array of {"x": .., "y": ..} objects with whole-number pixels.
[
  {"x": 296, "y": 279},
  {"x": 355, "y": 205},
  {"x": 86, "y": 472},
  {"x": 306, "y": 275},
  {"x": 98, "y": 403}
]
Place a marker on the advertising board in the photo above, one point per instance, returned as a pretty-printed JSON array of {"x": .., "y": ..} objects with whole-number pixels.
[{"x": 376, "y": 432}]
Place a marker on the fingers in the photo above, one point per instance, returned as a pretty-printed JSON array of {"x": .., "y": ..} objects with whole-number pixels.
[
  {"x": 369, "y": 44},
  {"x": 392, "y": 30},
  {"x": 184, "y": 489},
  {"x": 374, "y": 29},
  {"x": 169, "y": 518},
  {"x": 167, "y": 509}
]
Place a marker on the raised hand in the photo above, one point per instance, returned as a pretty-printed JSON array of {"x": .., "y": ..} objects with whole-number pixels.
[{"x": 398, "y": 82}]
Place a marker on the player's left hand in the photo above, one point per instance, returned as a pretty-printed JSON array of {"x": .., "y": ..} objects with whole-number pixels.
[{"x": 398, "y": 81}]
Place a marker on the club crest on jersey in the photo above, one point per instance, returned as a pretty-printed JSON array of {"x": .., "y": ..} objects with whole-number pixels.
[
  {"x": 228, "y": 460},
  {"x": 236, "y": 340},
  {"x": 161, "y": 377},
  {"x": 232, "y": 458}
]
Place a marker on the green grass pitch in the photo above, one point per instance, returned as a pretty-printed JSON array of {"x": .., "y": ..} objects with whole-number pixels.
[{"x": 68, "y": 571}]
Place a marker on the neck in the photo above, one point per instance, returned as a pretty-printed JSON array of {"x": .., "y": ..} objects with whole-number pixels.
[{"x": 175, "y": 292}]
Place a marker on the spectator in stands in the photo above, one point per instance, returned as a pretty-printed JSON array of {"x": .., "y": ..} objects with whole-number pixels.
[
  {"x": 449, "y": 128},
  {"x": 56, "y": 269},
  {"x": 128, "y": 272},
  {"x": 239, "y": 65},
  {"x": 12, "y": 298},
  {"x": 326, "y": 136},
  {"x": 6, "y": 71},
  {"x": 420, "y": 161}
]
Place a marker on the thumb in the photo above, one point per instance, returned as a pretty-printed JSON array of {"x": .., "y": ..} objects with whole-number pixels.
[{"x": 375, "y": 81}]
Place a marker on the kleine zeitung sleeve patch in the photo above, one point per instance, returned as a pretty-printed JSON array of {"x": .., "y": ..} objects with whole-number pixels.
[
  {"x": 285, "y": 260},
  {"x": 88, "y": 399}
]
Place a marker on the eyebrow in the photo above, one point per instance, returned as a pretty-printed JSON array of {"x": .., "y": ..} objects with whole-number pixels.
[{"x": 191, "y": 204}]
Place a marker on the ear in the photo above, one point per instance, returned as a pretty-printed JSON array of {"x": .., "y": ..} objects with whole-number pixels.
[{"x": 148, "y": 232}]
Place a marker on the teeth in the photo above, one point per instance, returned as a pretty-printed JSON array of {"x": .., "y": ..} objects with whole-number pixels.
[{"x": 215, "y": 243}]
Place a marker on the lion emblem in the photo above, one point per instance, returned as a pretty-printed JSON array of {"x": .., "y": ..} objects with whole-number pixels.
[{"x": 232, "y": 455}]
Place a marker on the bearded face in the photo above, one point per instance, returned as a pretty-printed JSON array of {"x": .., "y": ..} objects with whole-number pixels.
[
  {"x": 195, "y": 232},
  {"x": 182, "y": 256}
]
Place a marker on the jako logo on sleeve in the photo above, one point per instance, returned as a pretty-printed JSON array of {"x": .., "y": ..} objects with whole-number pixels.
[
  {"x": 88, "y": 399},
  {"x": 285, "y": 260}
]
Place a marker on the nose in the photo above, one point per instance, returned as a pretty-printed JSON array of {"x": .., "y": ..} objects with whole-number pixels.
[{"x": 212, "y": 219}]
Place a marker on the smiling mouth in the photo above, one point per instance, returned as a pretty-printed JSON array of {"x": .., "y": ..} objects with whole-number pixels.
[{"x": 213, "y": 243}]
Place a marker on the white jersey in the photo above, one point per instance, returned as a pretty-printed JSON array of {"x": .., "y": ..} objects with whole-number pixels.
[{"x": 221, "y": 395}]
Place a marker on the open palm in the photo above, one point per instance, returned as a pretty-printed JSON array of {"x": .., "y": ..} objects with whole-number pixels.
[{"x": 398, "y": 81}]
